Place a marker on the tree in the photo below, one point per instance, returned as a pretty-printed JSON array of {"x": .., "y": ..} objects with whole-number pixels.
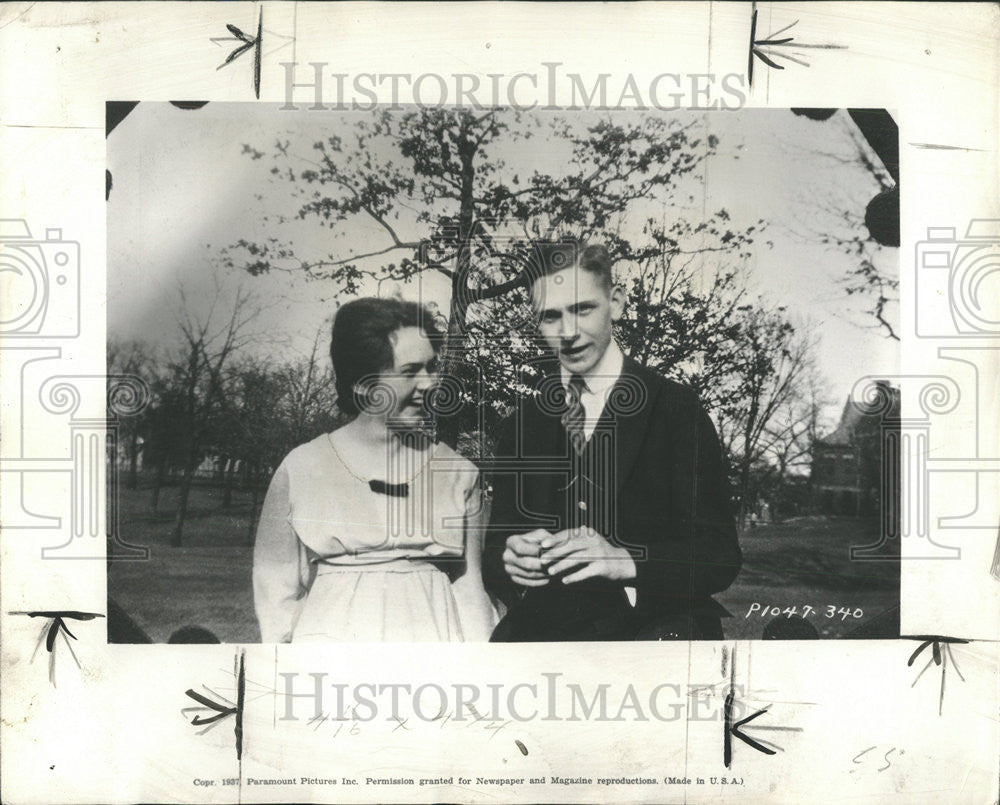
[
  {"x": 133, "y": 359},
  {"x": 452, "y": 194},
  {"x": 164, "y": 424},
  {"x": 196, "y": 388},
  {"x": 432, "y": 189},
  {"x": 770, "y": 364},
  {"x": 872, "y": 276},
  {"x": 258, "y": 432},
  {"x": 269, "y": 410},
  {"x": 308, "y": 403},
  {"x": 682, "y": 317},
  {"x": 786, "y": 445},
  {"x": 688, "y": 318}
]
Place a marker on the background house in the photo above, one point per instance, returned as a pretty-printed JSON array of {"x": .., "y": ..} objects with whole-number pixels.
[{"x": 855, "y": 467}]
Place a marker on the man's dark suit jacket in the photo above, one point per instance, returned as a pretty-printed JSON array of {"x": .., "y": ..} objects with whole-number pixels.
[{"x": 670, "y": 506}]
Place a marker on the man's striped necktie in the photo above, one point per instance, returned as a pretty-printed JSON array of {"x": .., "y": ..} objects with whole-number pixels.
[{"x": 574, "y": 415}]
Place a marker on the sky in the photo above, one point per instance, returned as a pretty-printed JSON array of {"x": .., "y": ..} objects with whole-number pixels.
[{"x": 183, "y": 189}]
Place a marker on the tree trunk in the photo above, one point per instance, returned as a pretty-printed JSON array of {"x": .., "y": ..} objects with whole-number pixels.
[
  {"x": 133, "y": 460},
  {"x": 227, "y": 491},
  {"x": 746, "y": 460},
  {"x": 448, "y": 428},
  {"x": 744, "y": 483},
  {"x": 859, "y": 483},
  {"x": 254, "y": 494},
  {"x": 161, "y": 469},
  {"x": 744, "y": 490},
  {"x": 177, "y": 535}
]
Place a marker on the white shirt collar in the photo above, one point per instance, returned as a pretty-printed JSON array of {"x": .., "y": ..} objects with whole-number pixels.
[{"x": 605, "y": 373}]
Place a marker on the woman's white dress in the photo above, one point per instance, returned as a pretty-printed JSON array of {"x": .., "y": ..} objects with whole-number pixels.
[{"x": 336, "y": 561}]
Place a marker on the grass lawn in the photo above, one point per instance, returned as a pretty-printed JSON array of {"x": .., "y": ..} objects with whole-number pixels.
[
  {"x": 207, "y": 582},
  {"x": 806, "y": 562}
]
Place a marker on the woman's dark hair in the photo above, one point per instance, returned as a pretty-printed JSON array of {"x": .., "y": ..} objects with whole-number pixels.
[{"x": 361, "y": 347}]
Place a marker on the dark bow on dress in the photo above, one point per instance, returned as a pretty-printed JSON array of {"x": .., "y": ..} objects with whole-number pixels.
[{"x": 392, "y": 490}]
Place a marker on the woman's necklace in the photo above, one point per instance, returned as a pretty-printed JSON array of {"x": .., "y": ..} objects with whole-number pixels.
[{"x": 400, "y": 490}]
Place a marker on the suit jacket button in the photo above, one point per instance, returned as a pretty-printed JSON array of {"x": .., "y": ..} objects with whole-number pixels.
[{"x": 582, "y": 505}]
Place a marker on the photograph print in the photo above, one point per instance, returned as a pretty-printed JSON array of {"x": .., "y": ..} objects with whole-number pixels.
[{"x": 420, "y": 374}]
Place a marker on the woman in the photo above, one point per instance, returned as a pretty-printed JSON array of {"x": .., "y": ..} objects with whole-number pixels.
[{"x": 372, "y": 532}]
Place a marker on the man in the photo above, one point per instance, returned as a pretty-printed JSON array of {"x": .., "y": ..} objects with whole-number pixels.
[{"x": 611, "y": 516}]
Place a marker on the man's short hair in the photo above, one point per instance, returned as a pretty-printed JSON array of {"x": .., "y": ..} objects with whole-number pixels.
[{"x": 549, "y": 257}]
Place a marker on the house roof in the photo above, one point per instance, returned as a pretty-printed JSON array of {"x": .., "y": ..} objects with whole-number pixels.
[
  {"x": 849, "y": 419},
  {"x": 854, "y": 413}
]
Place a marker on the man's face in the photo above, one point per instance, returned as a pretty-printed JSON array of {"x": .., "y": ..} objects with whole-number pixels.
[{"x": 575, "y": 314}]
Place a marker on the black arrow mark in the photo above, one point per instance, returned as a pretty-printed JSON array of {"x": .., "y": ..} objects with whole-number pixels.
[
  {"x": 221, "y": 710},
  {"x": 247, "y": 43},
  {"x": 225, "y": 708},
  {"x": 52, "y": 630},
  {"x": 760, "y": 48},
  {"x": 730, "y": 728},
  {"x": 940, "y": 654},
  {"x": 734, "y": 729}
]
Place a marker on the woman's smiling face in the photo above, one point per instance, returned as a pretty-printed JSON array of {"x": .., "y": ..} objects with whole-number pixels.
[{"x": 406, "y": 384}]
